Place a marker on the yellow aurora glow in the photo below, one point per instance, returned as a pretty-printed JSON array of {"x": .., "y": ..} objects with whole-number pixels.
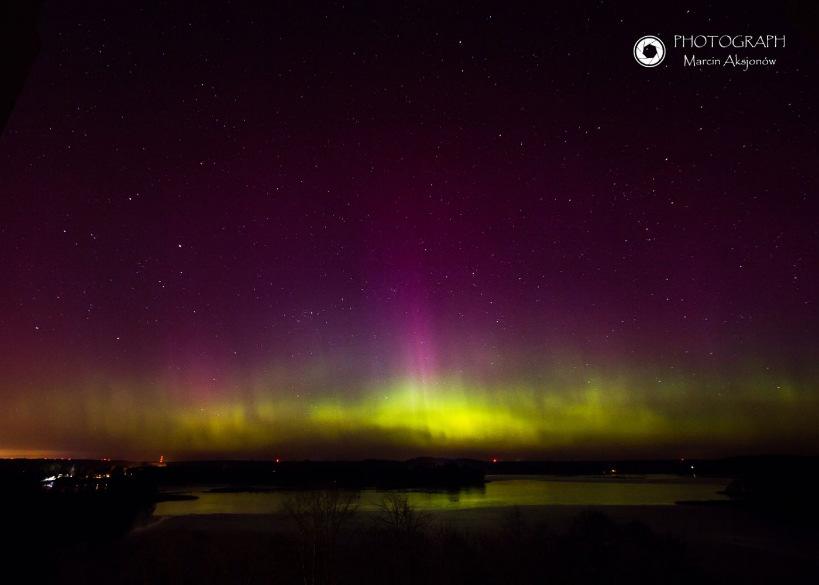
[{"x": 446, "y": 416}]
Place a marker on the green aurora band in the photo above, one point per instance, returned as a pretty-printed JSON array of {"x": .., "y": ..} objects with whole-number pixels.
[{"x": 568, "y": 413}]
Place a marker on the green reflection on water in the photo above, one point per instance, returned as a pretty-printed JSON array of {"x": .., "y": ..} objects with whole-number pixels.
[{"x": 499, "y": 492}]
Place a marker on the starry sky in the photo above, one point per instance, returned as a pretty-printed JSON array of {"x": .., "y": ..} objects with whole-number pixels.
[{"x": 399, "y": 229}]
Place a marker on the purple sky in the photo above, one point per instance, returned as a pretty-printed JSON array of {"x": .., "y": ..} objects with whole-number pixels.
[{"x": 215, "y": 212}]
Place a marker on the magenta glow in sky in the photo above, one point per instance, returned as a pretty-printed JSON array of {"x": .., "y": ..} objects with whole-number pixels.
[{"x": 331, "y": 232}]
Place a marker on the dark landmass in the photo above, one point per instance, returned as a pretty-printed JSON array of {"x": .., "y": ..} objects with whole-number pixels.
[
  {"x": 85, "y": 521},
  {"x": 243, "y": 475},
  {"x": 726, "y": 467},
  {"x": 756, "y": 478},
  {"x": 541, "y": 544}
]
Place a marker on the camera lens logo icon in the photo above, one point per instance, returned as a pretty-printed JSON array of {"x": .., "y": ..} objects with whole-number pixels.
[{"x": 649, "y": 51}]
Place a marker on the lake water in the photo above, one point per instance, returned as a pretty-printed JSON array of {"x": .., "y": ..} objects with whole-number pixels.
[{"x": 499, "y": 492}]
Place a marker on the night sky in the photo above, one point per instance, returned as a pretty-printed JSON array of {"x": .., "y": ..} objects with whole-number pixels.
[{"x": 399, "y": 229}]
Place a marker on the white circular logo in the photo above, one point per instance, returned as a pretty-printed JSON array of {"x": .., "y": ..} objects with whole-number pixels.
[{"x": 649, "y": 51}]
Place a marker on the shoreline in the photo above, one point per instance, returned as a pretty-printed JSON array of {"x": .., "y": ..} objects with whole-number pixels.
[{"x": 710, "y": 525}]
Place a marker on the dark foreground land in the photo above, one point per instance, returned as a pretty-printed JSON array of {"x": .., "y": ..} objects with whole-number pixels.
[
  {"x": 560, "y": 544},
  {"x": 100, "y": 528}
]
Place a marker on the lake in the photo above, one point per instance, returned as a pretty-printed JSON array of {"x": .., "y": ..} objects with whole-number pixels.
[{"x": 499, "y": 492}]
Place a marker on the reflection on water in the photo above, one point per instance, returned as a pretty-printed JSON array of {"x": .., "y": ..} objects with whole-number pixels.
[{"x": 499, "y": 491}]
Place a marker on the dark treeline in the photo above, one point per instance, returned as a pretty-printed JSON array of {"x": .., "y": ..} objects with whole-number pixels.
[
  {"x": 726, "y": 467},
  {"x": 776, "y": 480},
  {"x": 424, "y": 472},
  {"x": 26, "y": 474}
]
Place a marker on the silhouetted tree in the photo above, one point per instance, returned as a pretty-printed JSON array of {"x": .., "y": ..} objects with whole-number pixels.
[{"x": 320, "y": 517}]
